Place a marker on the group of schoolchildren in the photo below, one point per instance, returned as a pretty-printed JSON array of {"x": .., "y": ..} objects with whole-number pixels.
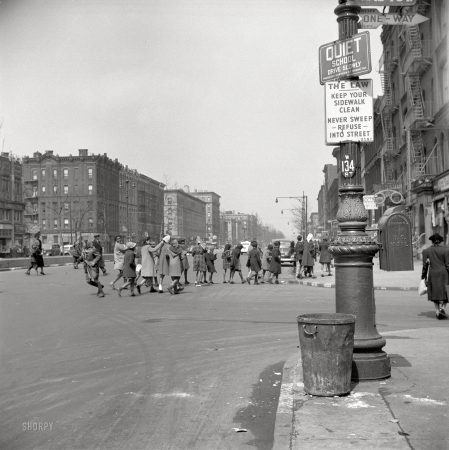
[{"x": 153, "y": 262}]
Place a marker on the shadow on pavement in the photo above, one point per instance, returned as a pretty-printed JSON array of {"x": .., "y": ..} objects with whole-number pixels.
[{"x": 259, "y": 416}]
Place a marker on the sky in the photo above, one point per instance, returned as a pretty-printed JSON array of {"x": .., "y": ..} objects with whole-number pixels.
[{"x": 220, "y": 95}]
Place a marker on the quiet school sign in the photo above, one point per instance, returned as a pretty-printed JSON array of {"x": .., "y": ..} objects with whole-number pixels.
[{"x": 349, "y": 111}]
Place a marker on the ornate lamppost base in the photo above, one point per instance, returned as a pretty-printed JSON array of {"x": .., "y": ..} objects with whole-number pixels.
[{"x": 370, "y": 366}]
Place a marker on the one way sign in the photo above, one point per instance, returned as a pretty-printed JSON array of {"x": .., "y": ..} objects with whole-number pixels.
[{"x": 373, "y": 18}]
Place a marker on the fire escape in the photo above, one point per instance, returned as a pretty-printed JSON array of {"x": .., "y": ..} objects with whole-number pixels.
[
  {"x": 420, "y": 115},
  {"x": 31, "y": 198},
  {"x": 387, "y": 108}
]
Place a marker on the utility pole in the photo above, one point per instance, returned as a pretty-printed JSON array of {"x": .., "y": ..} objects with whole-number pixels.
[{"x": 353, "y": 249}]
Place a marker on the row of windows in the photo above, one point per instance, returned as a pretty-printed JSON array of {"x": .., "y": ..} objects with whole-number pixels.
[
  {"x": 65, "y": 225},
  {"x": 65, "y": 173},
  {"x": 65, "y": 190},
  {"x": 5, "y": 215}
]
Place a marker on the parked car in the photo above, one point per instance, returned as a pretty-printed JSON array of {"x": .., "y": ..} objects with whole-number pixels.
[
  {"x": 245, "y": 244},
  {"x": 285, "y": 249},
  {"x": 68, "y": 249},
  {"x": 51, "y": 249}
]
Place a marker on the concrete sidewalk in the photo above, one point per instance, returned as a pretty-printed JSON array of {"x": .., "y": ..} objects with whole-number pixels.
[
  {"x": 407, "y": 411},
  {"x": 403, "y": 280}
]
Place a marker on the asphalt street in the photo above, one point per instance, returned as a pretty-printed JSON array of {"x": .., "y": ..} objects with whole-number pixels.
[{"x": 155, "y": 371}]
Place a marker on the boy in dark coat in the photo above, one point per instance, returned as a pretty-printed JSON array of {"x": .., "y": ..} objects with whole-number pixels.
[
  {"x": 91, "y": 267},
  {"x": 129, "y": 269},
  {"x": 254, "y": 263},
  {"x": 275, "y": 264},
  {"x": 210, "y": 257}
]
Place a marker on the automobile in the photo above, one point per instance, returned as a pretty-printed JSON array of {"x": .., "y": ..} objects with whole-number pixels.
[
  {"x": 68, "y": 250},
  {"x": 245, "y": 244},
  {"x": 189, "y": 250},
  {"x": 285, "y": 249},
  {"x": 51, "y": 249}
]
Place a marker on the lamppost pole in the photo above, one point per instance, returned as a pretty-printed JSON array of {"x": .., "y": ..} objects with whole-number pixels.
[{"x": 353, "y": 249}]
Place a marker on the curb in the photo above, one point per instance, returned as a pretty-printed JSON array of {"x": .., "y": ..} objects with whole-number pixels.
[{"x": 332, "y": 285}]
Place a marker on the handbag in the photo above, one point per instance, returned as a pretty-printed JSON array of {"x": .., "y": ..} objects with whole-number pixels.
[{"x": 422, "y": 287}]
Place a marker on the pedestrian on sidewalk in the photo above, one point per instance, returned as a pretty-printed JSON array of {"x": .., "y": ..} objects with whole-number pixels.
[
  {"x": 163, "y": 267},
  {"x": 292, "y": 254},
  {"x": 97, "y": 244},
  {"x": 91, "y": 258},
  {"x": 266, "y": 259},
  {"x": 210, "y": 257},
  {"x": 325, "y": 256},
  {"x": 185, "y": 261},
  {"x": 299, "y": 249},
  {"x": 254, "y": 263},
  {"x": 235, "y": 263},
  {"x": 436, "y": 262},
  {"x": 199, "y": 263},
  {"x": 307, "y": 257},
  {"x": 129, "y": 269},
  {"x": 119, "y": 256},
  {"x": 226, "y": 257},
  {"x": 149, "y": 264},
  {"x": 275, "y": 264},
  {"x": 35, "y": 253},
  {"x": 175, "y": 255}
]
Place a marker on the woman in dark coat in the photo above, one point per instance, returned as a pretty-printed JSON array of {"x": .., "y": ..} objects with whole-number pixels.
[
  {"x": 37, "y": 260},
  {"x": 235, "y": 263},
  {"x": 325, "y": 256},
  {"x": 307, "y": 258},
  {"x": 254, "y": 263},
  {"x": 436, "y": 261},
  {"x": 162, "y": 265},
  {"x": 275, "y": 264},
  {"x": 129, "y": 269}
]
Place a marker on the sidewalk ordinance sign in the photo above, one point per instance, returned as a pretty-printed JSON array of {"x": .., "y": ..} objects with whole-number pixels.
[
  {"x": 349, "y": 111},
  {"x": 345, "y": 58},
  {"x": 386, "y": 2},
  {"x": 369, "y": 202},
  {"x": 373, "y": 18}
]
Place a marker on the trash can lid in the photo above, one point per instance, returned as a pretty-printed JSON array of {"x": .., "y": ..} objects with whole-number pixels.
[{"x": 326, "y": 318}]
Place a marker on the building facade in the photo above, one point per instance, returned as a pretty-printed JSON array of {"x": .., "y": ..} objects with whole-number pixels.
[
  {"x": 71, "y": 196},
  {"x": 12, "y": 206},
  {"x": 184, "y": 215},
  {"x": 410, "y": 154},
  {"x": 243, "y": 227},
  {"x": 212, "y": 201}
]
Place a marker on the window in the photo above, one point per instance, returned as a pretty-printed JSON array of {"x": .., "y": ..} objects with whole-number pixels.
[
  {"x": 43, "y": 190},
  {"x": 55, "y": 190},
  {"x": 35, "y": 207},
  {"x": 56, "y": 239},
  {"x": 91, "y": 222},
  {"x": 55, "y": 224},
  {"x": 34, "y": 191},
  {"x": 43, "y": 207},
  {"x": 89, "y": 186},
  {"x": 34, "y": 174},
  {"x": 55, "y": 173},
  {"x": 66, "y": 189},
  {"x": 66, "y": 206},
  {"x": 65, "y": 173},
  {"x": 66, "y": 224},
  {"x": 90, "y": 173},
  {"x": 44, "y": 223}
]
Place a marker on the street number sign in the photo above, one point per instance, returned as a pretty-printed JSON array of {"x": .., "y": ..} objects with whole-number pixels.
[
  {"x": 345, "y": 58},
  {"x": 349, "y": 111},
  {"x": 372, "y": 18},
  {"x": 369, "y": 202},
  {"x": 347, "y": 167},
  {"x": 386, "y": 2}
]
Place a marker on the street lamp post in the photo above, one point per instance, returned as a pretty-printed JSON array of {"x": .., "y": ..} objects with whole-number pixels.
[
  {"x": 303, "y": 201},
  {"x": 353, "y": 249}
]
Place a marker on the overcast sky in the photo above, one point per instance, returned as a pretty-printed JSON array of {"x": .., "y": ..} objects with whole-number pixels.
[{"x": 222, "y": 95}]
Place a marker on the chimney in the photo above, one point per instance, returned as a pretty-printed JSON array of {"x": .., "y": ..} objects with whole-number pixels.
[
  {"x": 186, "y": 188},
  {"x": 82, "y": 151},
  {"x": 49, "y": 152}
]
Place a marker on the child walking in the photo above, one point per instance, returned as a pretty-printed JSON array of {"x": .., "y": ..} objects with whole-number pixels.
[
  {"x": 275, "y": 264},
  {"x": 254, "y": 263},
  {"x": 235, "y": 263},
  {"x": 129, "y": 269},
  {"x": 266, "y": 259},
  {"x": 210, "y": 257},
  {"x": 226, "y": 257}
]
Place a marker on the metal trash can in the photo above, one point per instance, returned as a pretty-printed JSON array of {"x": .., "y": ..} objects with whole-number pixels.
[{"x": 327, "y": 343}]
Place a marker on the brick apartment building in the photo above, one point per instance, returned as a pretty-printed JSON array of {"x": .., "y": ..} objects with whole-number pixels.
[{"x": 212, "y": 201}]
